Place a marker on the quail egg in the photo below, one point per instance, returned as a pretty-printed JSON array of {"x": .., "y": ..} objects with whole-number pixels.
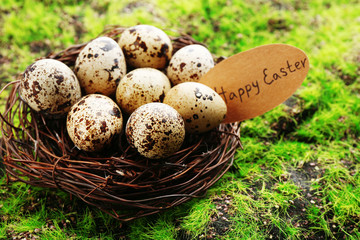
[
  {"x": 49, "y": 86},
  {"x": 200, "y": 106},
  {"x": 93, "y": 121},
  {"x": 155, "y": 130},
  {"x": 146, "y": 46},
  {"x": 100, "y": 65},
  {"x": 189, "y": 64},
  {"x": 141, "y": 86}
]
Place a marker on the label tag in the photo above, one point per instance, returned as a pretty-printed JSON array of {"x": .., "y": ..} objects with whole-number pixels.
[{"x": 255, "y": 81}]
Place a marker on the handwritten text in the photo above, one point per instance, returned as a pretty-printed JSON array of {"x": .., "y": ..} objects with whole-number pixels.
[{"x": 254, "y": 88}]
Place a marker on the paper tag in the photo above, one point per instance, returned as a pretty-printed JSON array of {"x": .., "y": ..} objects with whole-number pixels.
[{"x": 255, "y": 81}]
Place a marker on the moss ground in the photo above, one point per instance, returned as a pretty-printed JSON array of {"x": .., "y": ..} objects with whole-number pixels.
[{"x": 298, "y": 175}]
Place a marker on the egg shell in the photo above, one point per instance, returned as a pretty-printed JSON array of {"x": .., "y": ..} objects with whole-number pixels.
[
  {"x": 146, "y": 46},
  {"x": 100, "y": 65},
  {"x": 93, "y": 122},
  {"x": 189, "y": 64},
  {"x": 49, "y": 86},
  {"x": 200, "y": 106},
  {"x": 141, "y": 86},
  {"x": 155, "y": 130}
]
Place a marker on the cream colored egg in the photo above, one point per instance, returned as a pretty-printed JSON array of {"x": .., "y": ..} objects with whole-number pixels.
[
  {"x": 200, "y": 106},
  {"x": 93, "y": 122},
  {"x": 146, "y": 46},
  {"x": 49, "y": 86},
  {"x": 155, "y": 130},
  {"x": 189, "y": 64},
  {"x": 141, "y": 86},
  {"x": 100, "y": 65}
]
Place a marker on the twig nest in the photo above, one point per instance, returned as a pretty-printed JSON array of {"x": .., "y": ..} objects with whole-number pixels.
[
  {"x": 146, "y": 46},
  {"x": 93, "y": 122},
  {"x": 155, "y": 130},
  {"x": 100, "y": 65},
  {"x": 201, "y": 107},
  {"x": 119, "y": 177},
  {"x": 189, "y": 64},
  {"x": 141, "y": 86},
  {"x": 49, "y": 86}
]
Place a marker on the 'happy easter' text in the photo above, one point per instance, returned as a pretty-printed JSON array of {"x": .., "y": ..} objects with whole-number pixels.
[{"x": 254, "y": 88}]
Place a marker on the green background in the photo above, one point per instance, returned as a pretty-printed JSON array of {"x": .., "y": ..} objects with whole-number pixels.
[{"x": 298, "y": 174}]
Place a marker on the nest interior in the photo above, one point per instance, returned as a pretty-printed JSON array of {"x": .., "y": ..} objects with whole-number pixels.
[{"x": 37, "y": 150}]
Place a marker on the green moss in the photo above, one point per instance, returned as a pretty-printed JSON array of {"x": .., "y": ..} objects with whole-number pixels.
[
  {"x": 306, "y": 147},
  {"x": 198, "y": 218},
  {"x": 30, "y": 23},
  {"x": 161, "y": 228}
]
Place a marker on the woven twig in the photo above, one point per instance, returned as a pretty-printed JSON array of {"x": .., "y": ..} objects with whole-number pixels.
[{"x": 120, "y": 182}]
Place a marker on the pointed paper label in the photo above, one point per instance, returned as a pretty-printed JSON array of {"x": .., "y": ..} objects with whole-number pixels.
[{"x": 255, "y": 81}]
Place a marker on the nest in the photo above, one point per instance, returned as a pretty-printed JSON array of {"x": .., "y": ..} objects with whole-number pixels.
[{"x": 38, "y": 151}]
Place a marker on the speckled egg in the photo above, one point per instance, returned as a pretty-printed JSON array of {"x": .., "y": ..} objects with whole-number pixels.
[
  {"x": 155, "y": 130},
  {"x": 93, "y": 122},
  {"x": 141, "y": 86},
  {"x": 146, "y": 46},
  {"x": 49, "y": 86},
  {"x": 189, "y": 64},
  {"x": 100, "y": 65},
  {"x": 200, "y": 106}
]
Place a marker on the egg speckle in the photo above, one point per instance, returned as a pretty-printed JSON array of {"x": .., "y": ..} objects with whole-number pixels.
[
  {"x": 141, "y": 86},
  {"x": 100, "y": 65},
  {"x": 189, "y": 64},
  {"x": 93, "y": 122},
  {"x": 155, "y": 130},
  {"x": 200, "y": 106},
  {"x": 49, "y": 86},
  {"x": 146, "y": 46}
]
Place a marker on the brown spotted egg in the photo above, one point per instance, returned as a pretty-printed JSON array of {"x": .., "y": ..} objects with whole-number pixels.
[
  {"x": 200, "y": 106},
  {"x": 93, "y": 122},
  {"x": 49, "y": 86},
  {"x": 155, "y": 130},
  {"x": 146, "y": 46},
  {"x": 189, "y": 64},
  {"x": 141, "y": 86},
  {"x": 100, "y": 65}
]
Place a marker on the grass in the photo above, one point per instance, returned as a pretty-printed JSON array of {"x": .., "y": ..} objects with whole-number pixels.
[{"x": 298, "y": 175}]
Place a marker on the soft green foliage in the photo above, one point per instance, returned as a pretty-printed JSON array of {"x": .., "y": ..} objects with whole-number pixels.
[
  {"x": 298, "y": 174},
  {"x": 198, "y": 217},
  {"x": 162, "y": 228}
]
